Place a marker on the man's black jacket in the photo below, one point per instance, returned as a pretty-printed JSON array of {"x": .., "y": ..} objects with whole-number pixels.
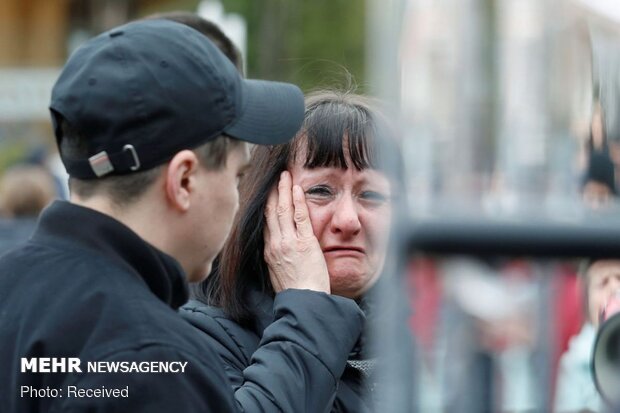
[{"x": 86, "y": 286}]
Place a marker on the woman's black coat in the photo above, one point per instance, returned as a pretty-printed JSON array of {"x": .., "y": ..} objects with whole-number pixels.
[{"x": 236, "y": 344}]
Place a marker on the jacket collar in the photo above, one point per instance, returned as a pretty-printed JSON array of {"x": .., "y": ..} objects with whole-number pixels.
[
  {"x": 262, "y": 305},
  {"x": 74, "y": 226}
]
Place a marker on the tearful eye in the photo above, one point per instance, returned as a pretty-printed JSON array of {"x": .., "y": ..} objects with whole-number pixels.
[
  {"x": 319, "y": 191},
  {"x": 375, "y": 197}
]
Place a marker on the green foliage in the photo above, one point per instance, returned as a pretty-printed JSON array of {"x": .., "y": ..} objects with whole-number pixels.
[
  {"x": 11, "y": 153},
  {"x": 161, "y": 6},
  {"x": 317, "y": 43}
]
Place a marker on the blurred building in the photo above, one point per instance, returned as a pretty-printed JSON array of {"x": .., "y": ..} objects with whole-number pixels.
[
  {"x": 32, "y": 32},
  {"x": 36, "y": 36},
  {"x": 494, "y": 97},
  {"x": 35, "y": 33}
]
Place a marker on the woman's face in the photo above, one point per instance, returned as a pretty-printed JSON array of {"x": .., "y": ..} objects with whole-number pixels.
[
  {"x": 604, "y": 283},
  {"x": 350, "y": 214}
]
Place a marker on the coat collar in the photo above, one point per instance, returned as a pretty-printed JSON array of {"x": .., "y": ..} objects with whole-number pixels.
[
  {"x": 262, "y": 305},
  {"x": 73, "y": 226}
]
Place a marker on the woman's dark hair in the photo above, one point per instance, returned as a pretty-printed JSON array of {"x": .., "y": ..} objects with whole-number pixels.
[{"x": 338, "y": 128}]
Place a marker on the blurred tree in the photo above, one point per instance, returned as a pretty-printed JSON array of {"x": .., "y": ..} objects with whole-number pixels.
[{"x": 316, "y": 43}]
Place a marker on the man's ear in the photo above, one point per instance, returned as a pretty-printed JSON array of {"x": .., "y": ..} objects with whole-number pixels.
[{"x": 181, "y": 179}]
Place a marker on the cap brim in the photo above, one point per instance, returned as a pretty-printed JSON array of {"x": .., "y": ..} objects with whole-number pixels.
[{"x": 271, "y": 114}]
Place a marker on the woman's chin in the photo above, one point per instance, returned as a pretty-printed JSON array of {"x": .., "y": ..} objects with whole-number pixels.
[{"x": 351, "y": 285}]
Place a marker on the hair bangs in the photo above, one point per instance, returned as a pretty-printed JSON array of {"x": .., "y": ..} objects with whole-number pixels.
[{"x": 336, "y": 134}]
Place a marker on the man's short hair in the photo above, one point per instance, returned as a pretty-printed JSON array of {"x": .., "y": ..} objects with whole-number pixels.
[
  {"x": 122, "y": 190},
  {"x": 209, "y": 29}
]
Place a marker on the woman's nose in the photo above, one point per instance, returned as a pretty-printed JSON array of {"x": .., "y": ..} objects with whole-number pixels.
[{"x": 346, "y": 218}]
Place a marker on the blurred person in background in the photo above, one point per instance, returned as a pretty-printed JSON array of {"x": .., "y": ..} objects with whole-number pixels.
[
  {"x": 103, "y": 262},
  {"x": 576, "y": 392},
  {"x": 332, "y": 167},
  {"x": 599, "y": 183},
  {"x": 597, "y": 141},
  {"x": 598, "y": 187},
  {"x": 575, "y": 389},
  {"x": 490, "y": 313},
  {"x": 50, "y": 161},
  {"x": 24, "y": 191},
  {"x": 477, "y": 324}
]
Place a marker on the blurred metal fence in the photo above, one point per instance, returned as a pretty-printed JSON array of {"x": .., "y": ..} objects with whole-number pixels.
[{"x": 494, "y": 101}]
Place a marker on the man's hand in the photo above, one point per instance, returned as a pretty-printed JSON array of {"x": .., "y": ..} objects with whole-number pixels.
[{"x": 292, "y": 252}]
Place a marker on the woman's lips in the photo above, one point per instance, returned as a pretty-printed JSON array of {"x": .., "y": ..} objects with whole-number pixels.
[{"x": 344, "y": 251}]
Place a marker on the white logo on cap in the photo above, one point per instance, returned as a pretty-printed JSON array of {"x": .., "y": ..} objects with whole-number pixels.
[{"x": 101, "y": 164}]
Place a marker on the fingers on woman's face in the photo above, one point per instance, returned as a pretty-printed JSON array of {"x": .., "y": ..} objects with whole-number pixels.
[
  {"x": 285, "y": 205},
  {"x": 280, "y": 212},
  {"x": 301, "y": 215},
  {"x": 272, "y": 227}
]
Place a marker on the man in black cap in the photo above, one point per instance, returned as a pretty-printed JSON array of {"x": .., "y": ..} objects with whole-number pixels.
[{"x": 150, "y": 120}]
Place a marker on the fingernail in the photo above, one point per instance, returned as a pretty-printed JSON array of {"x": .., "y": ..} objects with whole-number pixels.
[{"x": 283, "y": 174}]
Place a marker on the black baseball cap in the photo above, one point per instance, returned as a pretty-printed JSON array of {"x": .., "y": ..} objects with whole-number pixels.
[{"x": 143, "y": 91}]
